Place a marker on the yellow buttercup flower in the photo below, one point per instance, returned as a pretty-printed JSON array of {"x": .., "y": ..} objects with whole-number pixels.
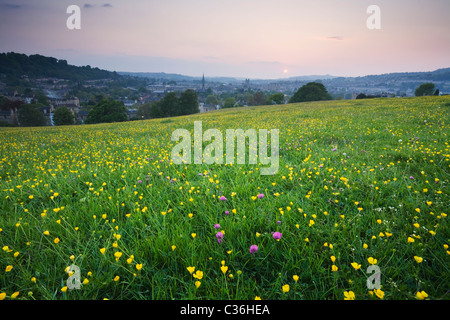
[
  {"x": 224, "y": 269},
  {"x": 418, "y": 259},
  {"x": 355, "y": 265},
  {"x": 349, "y": 295},
  {"x": 372, "y": 260},
  {"x": 139, "y": 266},
  {"x": 285, "y": 288},
  {"x": 198, "y": 275},
  {"x": 190, "y": 269},
  {"x": 295, "y": 277},
  {"x": 379, "y": 293},
  {"x": 422, "y": 295}
]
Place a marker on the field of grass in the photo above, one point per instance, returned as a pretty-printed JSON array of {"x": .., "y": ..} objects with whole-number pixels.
[{"x": 360, "y": 183}]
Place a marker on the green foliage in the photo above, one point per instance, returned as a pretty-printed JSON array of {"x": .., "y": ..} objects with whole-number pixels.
[
  {"x": 29, "y": 115},
  {"x": 172, "y": 105},
  {"x": 312, "y": 91},
  {"x": 364, "y": 96},
  {"x": 63, "y": 116},
  {"x": 4, "y": 123},
  {"x": 258, "y": 99},
  {"x": 425, "y": 89},
  {"x": 144, "y": 111},
  {"x": 212, "y": 100},
  {"x": 189, "y": 102},
  {"x": 230, "y": 102},
  {"x": 169, "y": 106},
  {"x": 357, "y": 180},
  {"x": 276, "y": 98},
  {"x": 107, "y": 111}
]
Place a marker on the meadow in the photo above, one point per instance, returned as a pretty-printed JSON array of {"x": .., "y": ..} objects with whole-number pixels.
[{"x": 360, "y": 183}]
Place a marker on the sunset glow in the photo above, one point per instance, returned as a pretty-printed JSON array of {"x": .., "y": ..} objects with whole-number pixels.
[{"x": 234, "y": 38}]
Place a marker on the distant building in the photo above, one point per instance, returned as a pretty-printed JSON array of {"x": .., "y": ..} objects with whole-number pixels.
[
  {"x": 247, "y": 84},
  {"x": 129, "y": 103},
  {"x": 47, "y": 114},
  {"x": 82, "y": 115},
  {"x": 205, "y": 108},
  {"x": 73, "y": 104}
]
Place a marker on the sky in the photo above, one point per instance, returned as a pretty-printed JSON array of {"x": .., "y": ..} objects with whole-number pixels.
[{"x": 266, "y": 39}]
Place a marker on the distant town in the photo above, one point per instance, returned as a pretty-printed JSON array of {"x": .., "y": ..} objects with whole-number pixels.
[{"x": 137, "y": 89}]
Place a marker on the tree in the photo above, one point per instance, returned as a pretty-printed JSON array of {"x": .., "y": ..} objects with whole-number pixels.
[
  {"x": 258, "y": 99},
  {"x": 229, "y": 102},
  {"x": 63, "y": 116},
  {"x": 144, "y": 111},
  {"x": 212, "y": 100},
  {"x": 189, "y": 102},
  {"x": 361, "y": 96},
  {"x": 42, "y": 99},
  {"x": 312, "y": 91},
  {"x": 155, "y": 110},
  {"x": 276, "y": 98},
  {"x": 107, "y": 111},
  {"x": 29, "y": 115},
  {"x": 169, "y": 106},
  {"x": 425, "y": 89}
]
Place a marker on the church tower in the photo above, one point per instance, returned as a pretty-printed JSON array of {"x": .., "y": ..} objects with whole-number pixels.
[{"x": 203, "y": 83}]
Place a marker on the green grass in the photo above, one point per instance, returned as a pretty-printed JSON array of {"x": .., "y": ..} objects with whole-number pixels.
[{"x": 370, "y": 174}]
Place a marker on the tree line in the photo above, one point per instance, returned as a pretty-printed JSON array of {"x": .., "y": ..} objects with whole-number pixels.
[
  {"x": 16, "y": 65},
  {"x": 171, "y": 105}
]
